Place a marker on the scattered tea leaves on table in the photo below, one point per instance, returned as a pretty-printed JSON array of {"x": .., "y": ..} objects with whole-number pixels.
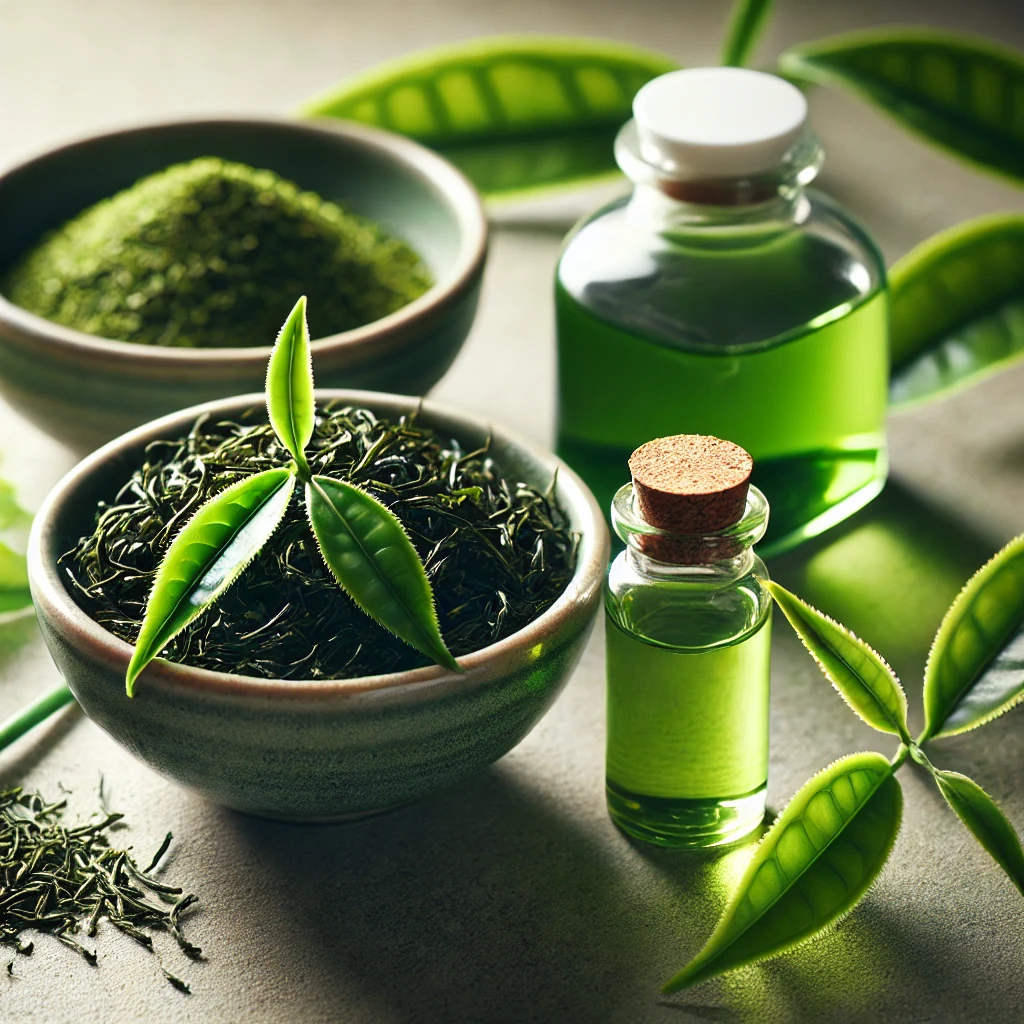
[
  {"x": 957, "y": 91},
  {"x": 746, "y": 24},
  {"x": 985, "y": 821},
  {"x": 291, "y": 404},
  {"x": 516, "y": 113},
  {"x": 64, "y": 879},
  {"x": 497, "y": 552},
  {"x": 861, "y": 676},
  {"x": 957, "y": 308},
  {"x": 370, "y": 554},
  {"x": 815, "y": 863},
  {"x": 207, "y": 555},
  {"x": 975, "y": 669}
]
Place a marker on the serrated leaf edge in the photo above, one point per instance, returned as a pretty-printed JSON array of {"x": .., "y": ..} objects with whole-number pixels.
[
  {"x": 298, "y": 451},
  {"x": 1018, "y": 544}
]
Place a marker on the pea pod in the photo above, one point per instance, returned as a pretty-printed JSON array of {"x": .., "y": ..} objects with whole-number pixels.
[
  {"x": 516, "y": 113},
  {"x": 959, "y": 92},
  {"x": 290, "y": 402},
  {"x": 746, "y": 24},
  {"x": 860, "y": 675},
  {"x": 975, "y": 669},
  {"x": 815, "y": 864},
  {"x": 371, "y": 556},
  {"x": 957, "y": 308},
  {"x": 209, "y": 553}
]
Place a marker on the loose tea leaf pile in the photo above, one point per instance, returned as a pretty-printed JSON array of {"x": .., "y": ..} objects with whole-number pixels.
[
  {"x": 211, "y": 254},
  {"x": 64, "y": 879},
  {"x": 496, "y": 553}
]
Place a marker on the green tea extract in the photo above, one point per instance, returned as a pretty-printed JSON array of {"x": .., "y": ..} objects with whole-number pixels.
[
  {"x": 724, "y": 297},
  {"x": 688, "y": 633}
]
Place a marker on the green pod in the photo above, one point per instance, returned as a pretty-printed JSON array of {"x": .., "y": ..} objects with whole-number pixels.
[
  {"x": 209, "y": 553},
  {"x": 959, "y": 92},
  {"x": 516, "y": 113},
  {"x": 975, "y": 669},
  {"x": 813, "y": 866},
  {"x": 371, "y": 556},
  {"x": 859, "y": 673},
  {"x": 957, "y": 308}
]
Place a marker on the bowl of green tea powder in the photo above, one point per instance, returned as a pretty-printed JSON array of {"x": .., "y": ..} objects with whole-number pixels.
[{"x": 142, "y": 271}]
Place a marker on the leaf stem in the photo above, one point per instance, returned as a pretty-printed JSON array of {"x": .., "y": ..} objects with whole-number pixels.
[
  {"x": 901, "y": 755},
  {"x": 34, "y": 714}
]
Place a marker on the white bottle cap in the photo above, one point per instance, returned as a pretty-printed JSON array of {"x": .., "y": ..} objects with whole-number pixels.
[{"x": 708, "y": 123}]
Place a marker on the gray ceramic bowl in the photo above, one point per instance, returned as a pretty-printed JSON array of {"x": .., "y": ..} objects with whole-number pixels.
[
  {"x": 317, "y": 750},
  {"x": 85, "y": 390}
]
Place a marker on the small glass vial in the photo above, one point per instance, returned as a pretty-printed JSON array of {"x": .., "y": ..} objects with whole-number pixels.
[
  {"x": 688, "y": 629},
  {"x": 724, "y": 297}
]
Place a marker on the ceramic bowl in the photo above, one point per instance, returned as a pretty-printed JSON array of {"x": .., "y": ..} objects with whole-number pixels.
[
  {"x": 84, "y": 390},
  {"x": 317, "y": 750}
]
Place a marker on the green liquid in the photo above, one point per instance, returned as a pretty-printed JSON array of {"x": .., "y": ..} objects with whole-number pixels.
[
  {"x": 780, "y": 347},
  {"x": 687, "y": 756}
]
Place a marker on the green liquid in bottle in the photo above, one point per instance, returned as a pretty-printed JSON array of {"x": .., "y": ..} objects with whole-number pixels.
[
  {"x": 687, "y": 757},
  {"x": 779, "y": 345}
]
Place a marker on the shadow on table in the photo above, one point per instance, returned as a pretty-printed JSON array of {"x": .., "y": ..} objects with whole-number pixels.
[{"x": 486, "y": 902}]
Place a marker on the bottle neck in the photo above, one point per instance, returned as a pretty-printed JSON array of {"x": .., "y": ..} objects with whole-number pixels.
[
  {"x": 667, "y": 202},
  {"x": 715, "y": 559}
]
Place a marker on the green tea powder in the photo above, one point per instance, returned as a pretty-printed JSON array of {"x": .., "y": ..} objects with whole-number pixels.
[{"x": 211, "y": 254}]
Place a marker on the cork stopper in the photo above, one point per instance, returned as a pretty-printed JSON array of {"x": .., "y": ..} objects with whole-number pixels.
[{"x": 689, "y": 484}]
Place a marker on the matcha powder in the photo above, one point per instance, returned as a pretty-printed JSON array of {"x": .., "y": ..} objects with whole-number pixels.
[{"x": 211, "y": 254}]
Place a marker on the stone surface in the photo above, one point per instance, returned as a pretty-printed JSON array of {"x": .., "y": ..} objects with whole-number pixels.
[{"x": 512, "y": 898}]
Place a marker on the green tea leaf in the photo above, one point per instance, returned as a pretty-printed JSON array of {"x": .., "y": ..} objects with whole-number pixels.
[
  {"x": 516, "y": 113},
  {"x": 957, "y": 308},
  {"x": 746, "y": 23},
  {"x": 290, "y": 401},
  {"x": 862, "y": 677},
  {"x": 959, "y": 92},
  {"x": 814, "y": 865},
  {"x": 370, "y": 554},
  {"x": 986, "y": 822},
  {"x": 207, "y": 556},
  {"x": 975, "y": 669}
]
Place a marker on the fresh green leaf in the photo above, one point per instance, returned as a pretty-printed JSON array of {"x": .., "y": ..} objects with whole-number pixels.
[
  {"x": 746, "y": 23},
  {"x": 370, "y": 554},
  {"x": 290, "y": 401},
  {"x": 862, "y": 677},
  {"x": 986, "y": 822},
  {"x": 815, "y": 863},
  {"x": 11, "y": 513},
  {"x": 975, "y": 669},
  {"x": 957, "y": 309},
  {"x": 516, "y": 113},
  {"x": 207, "y": 556},
  {"x": 959, "y": 92}
]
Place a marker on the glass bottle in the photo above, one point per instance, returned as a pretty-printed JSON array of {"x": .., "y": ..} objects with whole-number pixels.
[
  {"x": 688, "y": 651},
  {"x": 724, "y": 297}
]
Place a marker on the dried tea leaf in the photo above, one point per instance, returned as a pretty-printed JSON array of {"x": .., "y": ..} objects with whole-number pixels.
[
  {"x": 813, "y": 866},
  {"x": 854, "y": 668}
]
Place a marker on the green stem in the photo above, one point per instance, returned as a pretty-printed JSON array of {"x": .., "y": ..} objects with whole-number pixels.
[
  {"x": 36, "y": 712},
  {"x": 900, "y": 756}
]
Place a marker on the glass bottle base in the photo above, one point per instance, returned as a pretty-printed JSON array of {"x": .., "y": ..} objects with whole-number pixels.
[{"x": 685, "y": 824}]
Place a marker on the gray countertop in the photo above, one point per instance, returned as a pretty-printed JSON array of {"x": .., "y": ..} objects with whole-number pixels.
[{"x": 512, "y": 897}]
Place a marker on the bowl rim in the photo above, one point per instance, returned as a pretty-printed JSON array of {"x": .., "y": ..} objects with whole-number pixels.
[
  {"x": 56, "y": 605},
  {"x": 451, "y": 186}
]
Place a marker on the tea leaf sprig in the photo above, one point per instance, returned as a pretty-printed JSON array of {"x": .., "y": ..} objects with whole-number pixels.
[
  {"x": 822, "y": 854},
  {"x": 362, "y": 542}
]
